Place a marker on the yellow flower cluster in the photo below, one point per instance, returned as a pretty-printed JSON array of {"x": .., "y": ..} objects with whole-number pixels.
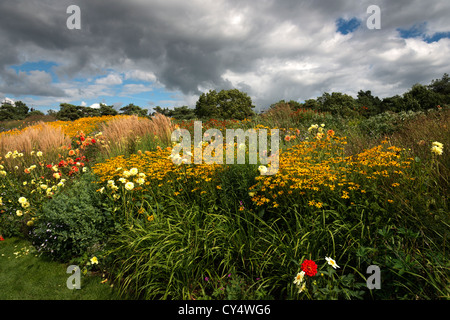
[
  {"x": 316, "y": 166},
  {"x": 159, "y": 170}
]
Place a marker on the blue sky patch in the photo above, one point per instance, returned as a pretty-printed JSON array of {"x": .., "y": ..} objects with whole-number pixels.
[
  {"x": 42, "y": 65},
  {"x": 347, "y": 26},
  {"x": 419, "y": 30}
]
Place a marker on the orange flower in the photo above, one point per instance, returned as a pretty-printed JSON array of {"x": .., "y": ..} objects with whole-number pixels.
[
  {"x": 287, "y": 138},
  {"x": 71, "y": 153},
  {"x": 330, "y": 133}
]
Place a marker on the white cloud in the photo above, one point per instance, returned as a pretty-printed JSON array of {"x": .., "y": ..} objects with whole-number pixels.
[{"x": 110, "y": 79}]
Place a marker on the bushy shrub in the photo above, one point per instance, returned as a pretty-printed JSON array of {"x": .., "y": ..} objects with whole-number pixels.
[{"x": 71, "y": 223}]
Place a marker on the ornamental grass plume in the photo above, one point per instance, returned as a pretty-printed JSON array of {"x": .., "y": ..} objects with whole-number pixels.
[
  {"x": 124, "y": 131},
  {"x": 42, "y": 136}
]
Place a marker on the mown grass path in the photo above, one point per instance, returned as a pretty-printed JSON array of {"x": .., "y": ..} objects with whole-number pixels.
[{"x": 26, "y": 276}]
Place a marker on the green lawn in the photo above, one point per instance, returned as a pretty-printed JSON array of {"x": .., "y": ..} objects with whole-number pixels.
[{"x": 26, "y": 276}]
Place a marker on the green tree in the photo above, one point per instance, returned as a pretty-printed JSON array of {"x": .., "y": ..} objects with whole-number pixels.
[
  {"x": 69, "y": 112},
  {"x": 395, "y": 104},
  {"x": 18, "y": 111},
  {"x": 107, "y": 110},
  {"x": 132, "y": 109},
  {"x": 441, "y": 86},
  {"x": 226, "y": 104},
  {"x": 367, "y": 104},
  {"x": 21, "y": 109},
  {"x": 182, "y": 113},
  {"x": 338, "y": 103},
  {"x": 420, "y": 97},
  {"x": 7, "y": 112},
  {"x": 164, "y": 111}
]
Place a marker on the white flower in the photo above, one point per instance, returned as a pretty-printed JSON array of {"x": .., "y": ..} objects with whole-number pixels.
[
  {"x": 140, "y": 181},
  {"x": 302, "y": 287},
  {"x": 126, "y": 174},
  {"x": 129, "y": 186},
  {"x": 332, "y": 262},
  {"x": 39, "y": 154},
  {"x": 299, "y": 278},
  {"x": 123, "y": 180},
  {"x": 19, "y": 213},
  {"x": 133, "y": 171},
  {"x": 262, "y": 169}
]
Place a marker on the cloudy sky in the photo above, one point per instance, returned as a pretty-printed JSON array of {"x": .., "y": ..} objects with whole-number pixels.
[{"x": 166, "y": 53}]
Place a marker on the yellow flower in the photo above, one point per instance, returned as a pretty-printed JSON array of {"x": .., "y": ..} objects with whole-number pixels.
[
  {"x": 94, "y": 260},
  {"x": 436, "y": 150},
  {"x": 19, "y": 213},
  {"x": 438, "y": 144},
  {"x": 39, "y": 154}
]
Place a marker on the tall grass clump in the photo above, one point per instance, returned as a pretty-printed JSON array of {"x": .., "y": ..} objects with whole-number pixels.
[
  {"x": 126, "y": 135},
  {"x": 41, "y": 137}
]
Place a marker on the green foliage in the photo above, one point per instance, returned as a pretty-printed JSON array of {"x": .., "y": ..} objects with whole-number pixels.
[
  {"x": 132, "y": 109},
  {"x": 72, "y": 224},
  {"x": 179, "y": 113},
  {"x": 226, "y": 104},
  {"x": 338, "y": 104},
  {"x": 18, "y": 111}
]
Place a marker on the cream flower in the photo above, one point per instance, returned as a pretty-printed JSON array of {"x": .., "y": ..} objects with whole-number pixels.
[
  {"x": 299, "y": 278},
  {"x": 262, "y": 169},
  {"x": 129, "y": 186},
  {"x": 332, "y": 262}
]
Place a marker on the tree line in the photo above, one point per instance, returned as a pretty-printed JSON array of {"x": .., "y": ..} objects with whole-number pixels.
[{"x": 235, "y": 104}]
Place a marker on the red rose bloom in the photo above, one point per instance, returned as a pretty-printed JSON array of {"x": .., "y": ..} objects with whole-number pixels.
[{"x": 309, "y": 267}]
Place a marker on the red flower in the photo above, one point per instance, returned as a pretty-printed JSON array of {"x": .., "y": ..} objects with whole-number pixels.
[
  {"x": 93, "y": 141},
  {"x": 309, "y": 267},
  {"x": 1, "y": 238},
  {"x": 82, "y": 138}
]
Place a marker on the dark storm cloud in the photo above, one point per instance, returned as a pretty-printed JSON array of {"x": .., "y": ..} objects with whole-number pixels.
[{"x": 195, "y": 45}]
